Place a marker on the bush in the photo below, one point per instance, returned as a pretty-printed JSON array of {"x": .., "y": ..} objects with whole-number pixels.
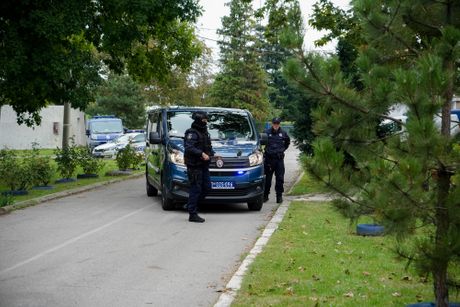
[
  {"x": 6, "y": 200},
  {"x": 41, "y": 170},
  {"x": 128, "y": 158},
  {"x": 87, "y": 162},
  {"x": 67, "y": 160},
  {"x": 14, "y": 171}
]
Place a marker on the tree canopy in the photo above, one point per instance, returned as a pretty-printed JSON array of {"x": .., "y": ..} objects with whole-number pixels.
[{"x": 53, "y": 51}]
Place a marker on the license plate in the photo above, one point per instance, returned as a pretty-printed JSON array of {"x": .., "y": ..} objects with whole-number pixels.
[{"x": 222, "y": 185}]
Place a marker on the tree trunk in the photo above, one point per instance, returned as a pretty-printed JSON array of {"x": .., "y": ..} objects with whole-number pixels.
[
  {"x": 442, "y": 251},
  {"x": 441, "y": 257},
  {"x": 66, "y": 125}
]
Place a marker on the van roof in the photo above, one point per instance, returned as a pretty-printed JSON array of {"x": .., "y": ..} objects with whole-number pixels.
[{"x": 190, "y": 108}]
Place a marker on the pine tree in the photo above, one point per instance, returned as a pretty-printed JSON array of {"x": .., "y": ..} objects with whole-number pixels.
[
  {"x": 242, "y": 81},
  {"x": 280, "y": 14},
  {"x": 408, "y": 181}
]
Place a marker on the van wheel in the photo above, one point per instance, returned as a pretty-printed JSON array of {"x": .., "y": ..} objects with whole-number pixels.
[
  {"x": 151, "y": 190},
  {"x": 166, "y": 202},
  {"x": 257, "y": 204}
]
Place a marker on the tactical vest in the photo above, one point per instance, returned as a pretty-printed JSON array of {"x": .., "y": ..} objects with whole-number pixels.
[
  {"x": 203, "y": 144},
  {"x": 276, "y": 142}
]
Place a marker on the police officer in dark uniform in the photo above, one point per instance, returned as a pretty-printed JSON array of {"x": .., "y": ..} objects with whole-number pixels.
[
  {"x": 278, "y": 142},
  {"x": 198, "y": 153}
]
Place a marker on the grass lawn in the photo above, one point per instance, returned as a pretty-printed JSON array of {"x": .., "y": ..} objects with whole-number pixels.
[
  {"x": 41, "y": 151},
  {"x": 315, "y": 259},
  {"x": 109, "y": 165},
  {"x": 307, "y": 185}
]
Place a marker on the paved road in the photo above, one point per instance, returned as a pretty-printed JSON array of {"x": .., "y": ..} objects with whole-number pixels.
[{"x": 114, "y": 246}]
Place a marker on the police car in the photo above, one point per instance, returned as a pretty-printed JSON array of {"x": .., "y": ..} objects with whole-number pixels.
[{"x": 110, "y": 149}]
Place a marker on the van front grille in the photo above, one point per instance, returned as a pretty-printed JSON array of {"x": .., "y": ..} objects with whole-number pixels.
[{"x": 237, "y": 162}]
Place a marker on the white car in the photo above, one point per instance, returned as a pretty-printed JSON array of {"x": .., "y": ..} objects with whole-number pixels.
[{"x": 110, "y": 149}]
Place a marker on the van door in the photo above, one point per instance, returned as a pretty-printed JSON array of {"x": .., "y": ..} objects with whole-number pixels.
[{"x": 153, "y": 150}]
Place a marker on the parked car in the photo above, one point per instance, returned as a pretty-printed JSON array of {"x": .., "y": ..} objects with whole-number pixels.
[
  {"x": 110, "y": 149},
  {"x": 237, "y": 176}
]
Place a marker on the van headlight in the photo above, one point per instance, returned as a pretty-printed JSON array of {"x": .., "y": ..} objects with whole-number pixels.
[
  {"x": 177, "y": 157},
  {"x": 256, "y": 158}
]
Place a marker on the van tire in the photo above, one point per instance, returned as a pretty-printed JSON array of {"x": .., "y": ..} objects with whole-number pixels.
[
  {"x": 257, "y": 204},
  {"x": 166, "y": 202},
  {"x": 151, "y": 190}
]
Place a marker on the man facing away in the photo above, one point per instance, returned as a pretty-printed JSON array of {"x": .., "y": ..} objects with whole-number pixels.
[
  {"x": 278, "y": 142},
  {"x": 198, "y": 153}
]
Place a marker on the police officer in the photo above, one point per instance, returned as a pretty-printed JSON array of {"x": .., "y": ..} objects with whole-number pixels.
[
  {"x": 278, "y": 142},
  {"x": 198, "y": 153}
]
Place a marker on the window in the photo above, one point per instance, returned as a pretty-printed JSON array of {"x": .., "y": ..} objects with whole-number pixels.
[{"x": 222, "y": 126}]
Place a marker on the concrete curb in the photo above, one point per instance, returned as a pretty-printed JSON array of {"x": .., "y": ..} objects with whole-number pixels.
[{"x": 38, "y": 200}]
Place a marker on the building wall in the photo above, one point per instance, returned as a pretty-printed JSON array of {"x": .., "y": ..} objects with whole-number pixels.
[{"x": 47, "y": 135}]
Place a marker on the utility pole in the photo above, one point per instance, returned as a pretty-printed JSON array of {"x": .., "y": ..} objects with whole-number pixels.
[{"x": 66, "y": 125}]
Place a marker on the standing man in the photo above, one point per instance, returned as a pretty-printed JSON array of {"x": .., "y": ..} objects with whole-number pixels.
[
  {"x": 278, "y": 142},
  {"x": 198, "y": 153}
]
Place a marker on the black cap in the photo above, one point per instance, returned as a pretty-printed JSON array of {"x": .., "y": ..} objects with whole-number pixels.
[
  {"x": 276, "y": 120},
  {"x": 199, "y": 115}
]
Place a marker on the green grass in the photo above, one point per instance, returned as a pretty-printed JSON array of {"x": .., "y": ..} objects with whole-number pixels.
[
  {"x": 109, "y": 165},
  {"x": 42, "y": 152},
  {"x": 307, "y": 185},
  {"x": 315, "y": 259}
]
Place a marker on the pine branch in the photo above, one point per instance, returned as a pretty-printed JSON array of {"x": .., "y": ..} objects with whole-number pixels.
[
  {"x": 388, "y": 30},
  {"x": 411, "y": 200},
  {"x": 328, "y": 92},
  {"x": 337, "y": 190}
]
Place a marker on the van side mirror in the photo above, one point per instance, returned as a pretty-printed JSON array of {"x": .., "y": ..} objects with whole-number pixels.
[
  {"x": 88, "y": 132},
  {"x": 154, "y": 138},
  {"x": 263, "y": 139}
]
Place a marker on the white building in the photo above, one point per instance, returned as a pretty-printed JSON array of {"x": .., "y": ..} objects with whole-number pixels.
[{"x": 47, "y": 135}]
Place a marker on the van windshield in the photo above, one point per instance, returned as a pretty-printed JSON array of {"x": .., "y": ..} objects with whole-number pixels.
[
  {"x": 222, "y": 126},
  {"x": 106, "y": 127}
]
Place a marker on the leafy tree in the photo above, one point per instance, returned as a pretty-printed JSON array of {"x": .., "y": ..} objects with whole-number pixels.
[
  {"x": 122, "y": 97},
  {"x": 242, "y": 81},
  {"x": 184, "y": 86},
  {"x": 51, "y": 51},
  {"x": 408, "y": 181}
]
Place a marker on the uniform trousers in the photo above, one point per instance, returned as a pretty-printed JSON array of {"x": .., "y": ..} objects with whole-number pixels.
[
  {"x": 274, "y": 165},
  {"x": 200, "y": 184}
]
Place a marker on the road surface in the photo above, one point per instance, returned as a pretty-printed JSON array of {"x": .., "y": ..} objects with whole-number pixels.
[{"x": 114, "y": 246}]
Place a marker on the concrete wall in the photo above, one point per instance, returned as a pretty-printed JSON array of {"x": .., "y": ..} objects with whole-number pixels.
[{"x": 47, "y": 135}]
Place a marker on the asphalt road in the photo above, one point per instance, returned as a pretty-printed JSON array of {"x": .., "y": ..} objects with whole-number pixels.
[{"x": 114, "y": 246}]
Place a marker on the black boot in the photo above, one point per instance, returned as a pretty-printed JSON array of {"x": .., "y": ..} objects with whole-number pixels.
[
  {"x": 279, "y": 199},
  {"x": 195, "y": 218},
  {"x": 265, "y": 198}
]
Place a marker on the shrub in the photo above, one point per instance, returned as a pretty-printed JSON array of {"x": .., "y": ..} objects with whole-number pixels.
[
  {"x": 67, "y": 160},
  {"x": 128, "y": 158},
  {"x": 87, "y": 162},
  {"x": 14, "y": 171},
  {"x": 41, "y": 170},
  {"x": 6, "y": 200}
]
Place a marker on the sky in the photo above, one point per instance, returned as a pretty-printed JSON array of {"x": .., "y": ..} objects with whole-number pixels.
[{"x": 214, "y": 10}]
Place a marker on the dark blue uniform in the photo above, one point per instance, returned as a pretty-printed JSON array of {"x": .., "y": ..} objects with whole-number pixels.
[
  {"x": 197, "y": 141},
  {"x": 278, "y": 142}
]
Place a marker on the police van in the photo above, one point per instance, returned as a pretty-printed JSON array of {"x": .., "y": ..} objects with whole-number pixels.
[{"x": 236, "y": 176}]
